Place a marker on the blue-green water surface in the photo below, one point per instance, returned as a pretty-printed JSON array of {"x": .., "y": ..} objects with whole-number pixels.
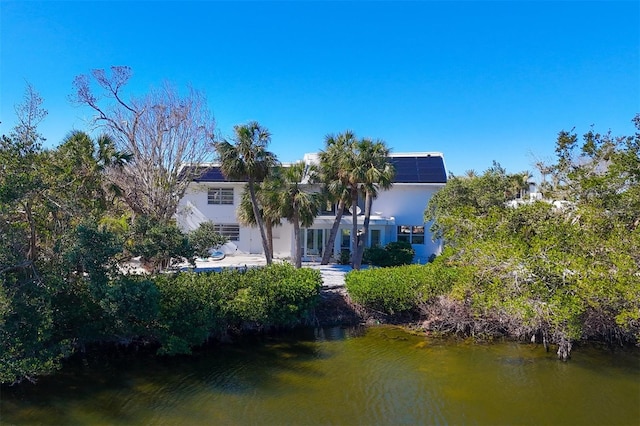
[{"x": 374, "y": 376}]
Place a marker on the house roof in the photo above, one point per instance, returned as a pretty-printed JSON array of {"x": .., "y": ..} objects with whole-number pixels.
[
  {"x": 212, "y": 173},
  {"x": 421, "y": 167}
]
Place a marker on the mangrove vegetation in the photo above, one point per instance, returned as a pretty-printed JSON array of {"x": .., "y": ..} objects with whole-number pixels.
[{"x": 559, "y": 268}]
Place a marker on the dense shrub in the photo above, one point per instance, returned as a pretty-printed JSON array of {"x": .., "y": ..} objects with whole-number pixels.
[
  {"x": 393, "y": 254},
  {"x": 27, "y": 346},
  {"x": 399, "y": 289},
  {"x": 158, "y": 243},
  {"x": 376, "y": 256},
  {"x": 134, "y": 302},
  {"x": 278, "y": 295},
  {"x": 195, "y": 306},
  {"x": 439, "y": 277},
  {"x": 345, "y": 257},
  {"x": 189, "y": 311},
  {"x": 389, "y": 290},
  {"x": 176, "y": 311}
]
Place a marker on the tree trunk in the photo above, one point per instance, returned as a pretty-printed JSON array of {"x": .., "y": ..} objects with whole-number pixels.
[
  {"x": 254, "y": 203},
  {"x": 328, "y": 248},
  {"x": 297, "y": 246},
  {"x": 269, "y": 229},
  {"x": 359, "y": 252},
  {"x": 354, "y": 227}
]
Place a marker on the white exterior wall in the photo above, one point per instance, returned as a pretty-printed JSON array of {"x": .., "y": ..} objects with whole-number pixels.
[
  {"x": 403, "y": 204},
  {"x": 406, "y": 203},
  {"x": 195, "y": 203},
  {"x": 218, "y": 213}
]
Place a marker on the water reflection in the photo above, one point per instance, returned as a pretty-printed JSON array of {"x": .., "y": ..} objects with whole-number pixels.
[
  {"x": 337, "y": 333},
  {"x": 380, "y": 375}
]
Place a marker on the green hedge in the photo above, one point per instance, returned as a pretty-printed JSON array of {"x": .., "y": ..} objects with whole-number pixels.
[
  {"x": 189, "y": 311},
  {"x": 399, "y": 289},
  {"x": 176, "y": 311},
  {"x": 395, "y": 253},
  {"x": 194, "y": 306}
]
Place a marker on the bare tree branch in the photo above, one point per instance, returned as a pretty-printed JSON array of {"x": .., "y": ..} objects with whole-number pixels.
[{"x": 163, "y": 131}]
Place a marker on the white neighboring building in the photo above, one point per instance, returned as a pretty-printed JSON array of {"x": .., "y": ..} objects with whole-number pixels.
[{"x": 397, "y": 214}]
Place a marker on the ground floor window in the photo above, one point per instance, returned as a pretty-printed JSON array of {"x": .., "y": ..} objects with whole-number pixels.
[
  {"x": 413, "y": 234},
  {"x": 231, "y": 231},
  {"x": 376, "y": 237}
]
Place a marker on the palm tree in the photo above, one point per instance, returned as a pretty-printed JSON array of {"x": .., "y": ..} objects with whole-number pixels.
[
  {"x": 377, "y": 173},
  {"x": 364, "y": 167},
  {"x": 248, "y": 159},
  {"x": 268, "y": 195},
  {"x": 351, "y": 167},
  {"x": 336, "y": 183},
  {"x": 519, "y": 183},
  {"x": 299, "y": 205},
  {"x": 471, "y": 173}
]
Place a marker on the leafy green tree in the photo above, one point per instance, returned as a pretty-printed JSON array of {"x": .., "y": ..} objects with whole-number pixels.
[
  {"x": 93, "y": 253},
  {"x": 248, "y": 159},
  {"x": 465, "y": 197},
  {"x": 21, "y": 184},
  {"x": 20, "y": 190},
  {"x": 158, "y": 243},
  {"x": 204, "y": 238},
  {"x": 27, "y": 326},
  {"x": 558, "y": 273},
  {"x": 602, "y": 171},
  {"x": 77, "y": 170}
]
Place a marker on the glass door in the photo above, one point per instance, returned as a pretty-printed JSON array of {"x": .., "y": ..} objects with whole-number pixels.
[
  {"x": 313, "y": 242},
  {"x": 345, "y": 239}
]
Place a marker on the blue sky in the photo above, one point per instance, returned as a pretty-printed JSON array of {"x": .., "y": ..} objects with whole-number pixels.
[{"x": 478, "y": 81}]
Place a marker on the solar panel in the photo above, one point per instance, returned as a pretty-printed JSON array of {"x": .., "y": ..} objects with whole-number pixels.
[
  {"x": 418, "y": 169},
  {"x": 211, "y": 174},
  {"x": 409, "y": 169}
]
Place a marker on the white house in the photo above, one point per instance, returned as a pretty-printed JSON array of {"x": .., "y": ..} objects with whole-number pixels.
[{"x": 397, "y": 213}]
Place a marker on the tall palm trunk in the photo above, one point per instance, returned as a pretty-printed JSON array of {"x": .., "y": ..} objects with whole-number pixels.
[
  {"x": 359, "y": 252},
  {"x": 254, "y": 202},
  {"x": 269, "y": 230},
  {"x": 354, "y": 227},
  {"x": 297, "y": 246},
  {"x": 328, "y": 248}
]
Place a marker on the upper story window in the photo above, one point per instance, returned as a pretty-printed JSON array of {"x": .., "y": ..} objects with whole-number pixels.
[
  {"x": 220, "y": 196},
  {"x": 411, "y": 234},
  {"x": 417, "y": 235},
  {"x": 328, "y": 208}
]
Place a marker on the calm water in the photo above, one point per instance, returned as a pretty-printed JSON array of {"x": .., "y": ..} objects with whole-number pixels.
[{"x": 341, "y": 376}]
